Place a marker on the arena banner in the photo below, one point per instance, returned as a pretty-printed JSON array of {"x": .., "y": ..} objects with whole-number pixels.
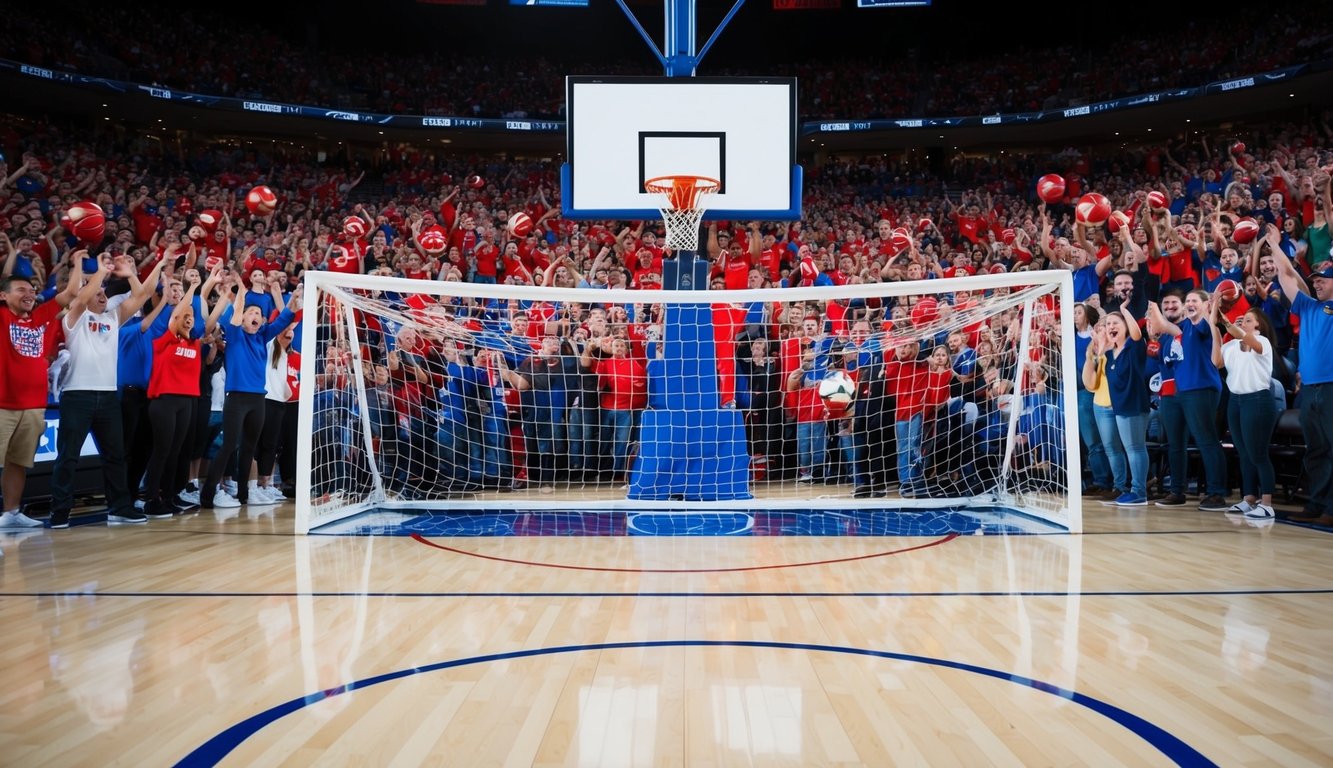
[{"x": 451, "y": 123}]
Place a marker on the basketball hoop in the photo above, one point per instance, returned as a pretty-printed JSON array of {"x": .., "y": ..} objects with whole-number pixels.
[{"x": 684, "y": 200}]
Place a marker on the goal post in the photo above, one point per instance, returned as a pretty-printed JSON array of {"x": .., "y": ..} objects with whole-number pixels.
[{"x": 421, "y": 395}]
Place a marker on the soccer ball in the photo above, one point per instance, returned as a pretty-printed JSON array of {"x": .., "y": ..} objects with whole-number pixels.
[{"x": 838, "y": 392}]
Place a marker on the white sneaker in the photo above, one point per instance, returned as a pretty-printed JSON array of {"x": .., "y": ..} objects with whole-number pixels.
[
  {"x": 1259, "y": 512},
  {"x": 224, "y": 499},
  {"x": 19, "y": 520},
  {"x": 1241, "y": 507},
  {"x": 189, "y": 497},
  {"x": 275, "y": 493},
  {"x": 230, "y": 486},
  {"x": 256, "y": 497}
]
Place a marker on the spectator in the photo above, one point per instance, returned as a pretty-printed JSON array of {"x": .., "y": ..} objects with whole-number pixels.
[
  {"x": 1122, "y": 353},
  {"x": 1252, "y": 413}
]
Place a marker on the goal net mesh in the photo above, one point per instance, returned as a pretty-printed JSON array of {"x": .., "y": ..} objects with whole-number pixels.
[{"x": 454, "y": 396}]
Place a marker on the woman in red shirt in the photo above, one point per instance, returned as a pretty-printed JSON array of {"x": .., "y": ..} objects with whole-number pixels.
[{"x": 173, "y": 388}]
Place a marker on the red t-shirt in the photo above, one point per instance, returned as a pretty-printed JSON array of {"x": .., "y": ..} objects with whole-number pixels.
[
  {"x": 345, "y": 260},
  {"x": 24, "y": 352},
  {"x": 145, "y": 225},
  {"x": 909, "y": 382},
  {"x": 624, "y": 384},
  {"x": 176, "y": 364}
]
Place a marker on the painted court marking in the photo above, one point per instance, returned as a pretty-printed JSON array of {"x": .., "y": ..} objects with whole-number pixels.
[{"x": 423, "y": 540}]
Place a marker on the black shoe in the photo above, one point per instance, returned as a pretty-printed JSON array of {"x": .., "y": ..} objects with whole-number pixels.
[
  {"x": 58, "y": 520},
  {"x": 126, "y": 518},
  {"x": 1172, "y": 500},
  {"x": 158, "y": 510},
  {"x": 1213, "y": 503}
]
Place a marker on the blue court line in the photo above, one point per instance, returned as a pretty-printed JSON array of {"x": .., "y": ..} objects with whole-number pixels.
[
  {"x": 1036, "y": 593},
  {"x": 217, "y": 748}
]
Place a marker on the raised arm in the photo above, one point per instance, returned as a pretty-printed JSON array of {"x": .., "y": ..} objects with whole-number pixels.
[
  {"x": 11, "y": 255},
  {"x": 89, "y": 289},
  {"x": 1095, "y": 349},
  {"x": 1157, "y": 322},
  {"x": 1291, "y": 283},
  {"x": 1214, "y": 313},
  {"x": 1132, "y": 325}
]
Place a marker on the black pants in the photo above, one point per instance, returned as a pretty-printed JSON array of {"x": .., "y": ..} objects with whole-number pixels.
[
  {"x": 80, "y": 412},
  {"x": 172, "y": 418},
  {"x": 242, "y": 423},
  {"x": 137, "y": 433},
  {"x": 278, "y": 437}
]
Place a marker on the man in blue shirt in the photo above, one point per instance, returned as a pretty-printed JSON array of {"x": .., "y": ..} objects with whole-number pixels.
[{"x": 1316, "y": 377}]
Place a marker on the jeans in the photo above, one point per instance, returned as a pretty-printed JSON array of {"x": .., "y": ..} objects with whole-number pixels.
[
  {"x": 1200, "y": 409},
  {"x": 811, "y": 439},
  {"x": 1177, "y": 437},
  {"x": 584, "y": 443},
  {"x": 908, "y": 435},
  {"x": 1252, "y": 417},
  {"x": 1316, "y": 403},
  {"x": 1092, "y": 441},
  {"x": 81, "y": 411},
  {"x": 1133, "y": 431},
  {"x": 1114, "y": 449},
  {"x": 620, "y": 426}
]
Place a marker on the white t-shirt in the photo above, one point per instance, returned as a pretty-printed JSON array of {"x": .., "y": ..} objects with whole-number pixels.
[
  {"x": 93, "y": 342},
  {"x": 1248, "y": 371}
]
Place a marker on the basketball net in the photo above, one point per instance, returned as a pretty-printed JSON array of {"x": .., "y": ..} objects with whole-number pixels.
[{"x": 683, "y": 202}]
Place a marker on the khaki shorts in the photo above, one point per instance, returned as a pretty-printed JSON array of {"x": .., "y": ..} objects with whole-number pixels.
[{"x": 20, "y": 432}]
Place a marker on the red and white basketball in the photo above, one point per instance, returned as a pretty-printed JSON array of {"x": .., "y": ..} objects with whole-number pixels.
[
  {"x": 261, "y": 201},
  {"x": 926, "y": 311},
  {"x": 1117, "y": 220},
  {"x": 1008, "y": 236},
  {"x": 210, "y": 219},
  {"x": 1227, "y": 292},
  {"x": 924, "y": 224},
  {"x": 520, "y": 224},
  {"x": 355, "y": 227},
  {"x": 900, "y": 241},
  {"x": 433, "y": 241},
  {"x": 1245, "y": 231},
  {"x": 87, "y": 221},
  {"x": 1051, "y": 188},
  {"x": 1157, "y": 200},
  {"x": 476, "y": 182},
  {"x": 1092, "y": 208},
  {"x": 1238, "y": 148}
]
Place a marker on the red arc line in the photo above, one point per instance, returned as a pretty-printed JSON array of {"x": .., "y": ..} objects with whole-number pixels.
[{"x": 423, "y": 540}]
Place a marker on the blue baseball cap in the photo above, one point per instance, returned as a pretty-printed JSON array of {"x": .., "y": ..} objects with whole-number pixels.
[{"x": 1326, "y": 272}]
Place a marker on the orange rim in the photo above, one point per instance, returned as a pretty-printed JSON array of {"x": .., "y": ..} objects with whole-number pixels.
[{"x": 682, "y": 192}]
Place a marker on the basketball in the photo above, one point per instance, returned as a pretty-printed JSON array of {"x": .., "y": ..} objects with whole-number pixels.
[
  {"x": 1117, "y": 220},
  {"x": 925, "y": 311},
  {"x": 87, "y": 221},
  {"x": 900, "y": 241},
  {"x": 520, "y": 224},
  {"x": 1245, "y": 231},
  {"x": 1092, "y": 208},
  {"x": 476, "y": 182},
  {"x": 1227, "y": 292},
  {"x": 1238, "y": 148},
  {"x": 354, "y": 227},
  {"x": 838, "y": 392},
  {"x": 1051, "y": 188},
  {"x": 924, "y": 224},
  {"x": 433, "y": 241},
  {"x": 1157, "y": 200},
  {"x": 261, "y": 201},
  {"x": 209, "y": 219},
  {"x": 1008, "y": 235}
]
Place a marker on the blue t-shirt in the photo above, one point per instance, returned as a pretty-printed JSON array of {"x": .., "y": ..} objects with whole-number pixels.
[
  {"x": 247, "y": 352},
  {"x": 1196, "y": 369},
  {"x": 1086, "y": 282},
  {"x": 1126, "y": 380},
  {"x": 1316, "y": 339}
]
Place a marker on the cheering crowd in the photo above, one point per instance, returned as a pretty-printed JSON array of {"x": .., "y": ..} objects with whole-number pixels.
[{"x": 177, "y": 337}]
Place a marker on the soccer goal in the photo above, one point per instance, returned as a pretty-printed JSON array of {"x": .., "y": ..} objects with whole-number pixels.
[{"x": 453, "y": 396}]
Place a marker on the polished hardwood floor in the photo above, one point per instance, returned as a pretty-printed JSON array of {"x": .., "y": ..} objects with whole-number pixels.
[{"x": 1157, "y": 637}]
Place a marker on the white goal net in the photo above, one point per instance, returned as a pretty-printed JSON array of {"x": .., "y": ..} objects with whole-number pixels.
[{"x": 454, "y": 396}]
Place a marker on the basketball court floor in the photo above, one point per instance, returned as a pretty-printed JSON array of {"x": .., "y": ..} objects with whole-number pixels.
[{"x": 1156, "y": 637}]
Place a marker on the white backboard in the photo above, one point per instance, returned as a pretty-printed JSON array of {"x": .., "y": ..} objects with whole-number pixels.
[{"x": 623, "y": 131}]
